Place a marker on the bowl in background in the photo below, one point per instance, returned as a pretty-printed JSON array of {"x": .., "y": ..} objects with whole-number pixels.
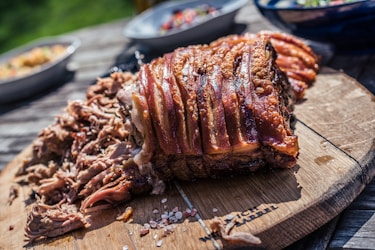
[
  {"x": 145, "y": 28},
  {"x": 348, "y": 26},
  {"x": 44, "y": 77}
]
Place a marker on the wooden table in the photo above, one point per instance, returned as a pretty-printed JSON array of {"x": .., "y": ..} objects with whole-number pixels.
[{"x": 104, "y": 46}]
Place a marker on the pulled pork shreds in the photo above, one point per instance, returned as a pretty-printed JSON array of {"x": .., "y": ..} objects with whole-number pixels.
[
  {"x": 92, "y": 144},
  {"x": 54, "y": 220},
  {"x": 225, "y": 231}
]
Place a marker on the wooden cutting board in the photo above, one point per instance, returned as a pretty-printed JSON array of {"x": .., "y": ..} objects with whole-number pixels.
[{"x": 336, "y": 129}]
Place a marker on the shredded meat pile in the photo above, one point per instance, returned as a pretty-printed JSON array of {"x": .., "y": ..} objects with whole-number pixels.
[
  {"x": 198, "y": 112},
  {"x": 86, "y": 156}
]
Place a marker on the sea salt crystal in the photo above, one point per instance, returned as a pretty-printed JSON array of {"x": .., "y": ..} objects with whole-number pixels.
[
  {"x": 125, "y": 247},
  {"x": 164, "y": 200},
  {"x": 143, "y": 232},
  {"x": 153, "y": 224},
  {"x": 214, "y": 210},
  {"x": 174, "y": 219},
  {"x": 229, "y": 217},
  {"x": 193, "y": 212},
  {"x": 169, "y": 229},
  {"x": 186, "y": 214},
  {"x": 178, "y": 215},
  {"x": 159, "y": 243}
]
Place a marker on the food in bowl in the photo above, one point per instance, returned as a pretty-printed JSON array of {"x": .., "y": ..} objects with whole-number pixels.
[
  {"x": 186, "y": 17},
  {"x": 31, "y": 61},
  {"x": 145, "y": 27},
  {"x": 347, "y": 26},
  {"x": 321, "y": 3},
  {"x": 15, "y": 86}
]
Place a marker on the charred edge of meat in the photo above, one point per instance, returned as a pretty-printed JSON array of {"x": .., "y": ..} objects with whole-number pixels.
[{"x": 294, "y": 57}]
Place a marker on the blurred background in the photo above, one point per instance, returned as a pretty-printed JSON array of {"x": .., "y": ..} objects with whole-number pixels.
[{"x": 25, "y": 20}]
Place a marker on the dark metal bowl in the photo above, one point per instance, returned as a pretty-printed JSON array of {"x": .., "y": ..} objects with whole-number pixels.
[
  {"x": 48, "y": 75},
  {"x": 145, "y": 28},
  {"x": 348, "y": 26}
]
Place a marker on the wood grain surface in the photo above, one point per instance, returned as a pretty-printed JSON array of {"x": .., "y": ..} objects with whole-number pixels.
[
  {"x": 335, "y": 128},
  {"x": 103, "y": 46}
]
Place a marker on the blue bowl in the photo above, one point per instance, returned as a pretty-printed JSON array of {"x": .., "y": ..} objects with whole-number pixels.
[{"x": 349, "y": 26}]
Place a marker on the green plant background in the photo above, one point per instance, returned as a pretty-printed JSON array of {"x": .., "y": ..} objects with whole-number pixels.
[{"x": 22, "y": 21}]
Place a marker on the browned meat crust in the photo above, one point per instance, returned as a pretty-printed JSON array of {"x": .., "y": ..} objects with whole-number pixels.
[
  {"x": 198, "y": 112},
  {"x": 231, "y": 97}
]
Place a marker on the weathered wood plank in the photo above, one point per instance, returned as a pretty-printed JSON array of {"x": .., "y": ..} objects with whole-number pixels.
[
  {"x": 366, "y": 201},
  {"x": 341, "y": 62},
  {"x": 177, "y": 235},
  {"x": 317, "y": 240},
  {"x": 268, "y": 204},
  {"x": 48, "y": 104},
  {"x": 286, "y": 205},
  {"x": 337, "y": 111},
  {"x": 356, "y": 230}
]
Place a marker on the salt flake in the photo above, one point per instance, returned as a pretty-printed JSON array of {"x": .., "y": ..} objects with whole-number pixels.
[{"x": 159, "y": 243}]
